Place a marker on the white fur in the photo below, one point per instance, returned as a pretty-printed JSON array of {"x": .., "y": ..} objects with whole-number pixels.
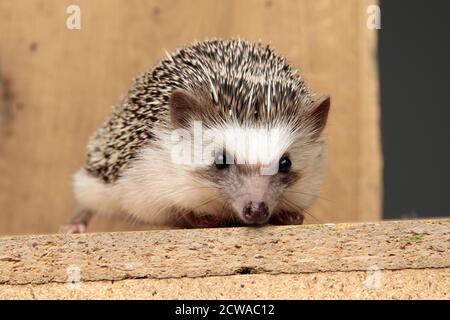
[
  {"x": 153, "y": 184},
  {"x": 256, "y": 145}
]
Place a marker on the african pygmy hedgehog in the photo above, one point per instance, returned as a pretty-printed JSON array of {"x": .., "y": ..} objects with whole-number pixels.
[{"x": 219, "y": 133}]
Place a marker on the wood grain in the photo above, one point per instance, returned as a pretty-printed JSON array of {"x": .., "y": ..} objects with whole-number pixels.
[
  {"x": 227, "y": 251},
  {"x": 61, "y": 84}
]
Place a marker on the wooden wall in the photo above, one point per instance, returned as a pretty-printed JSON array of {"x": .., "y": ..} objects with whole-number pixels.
[{"x": 58, "y": 84}]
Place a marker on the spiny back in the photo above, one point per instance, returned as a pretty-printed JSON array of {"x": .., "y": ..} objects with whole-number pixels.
[{"x": 247, "y": 81}]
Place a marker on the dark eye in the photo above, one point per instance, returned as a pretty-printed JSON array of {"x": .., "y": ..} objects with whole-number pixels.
[
  {"x": 284, "y": 165},
  {"x": 221, "y": 161}
]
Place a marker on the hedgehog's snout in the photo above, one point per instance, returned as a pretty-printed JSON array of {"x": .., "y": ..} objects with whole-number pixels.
[
  {"x": 256, "y": 212},
  {"x": 252, "y": 199}
]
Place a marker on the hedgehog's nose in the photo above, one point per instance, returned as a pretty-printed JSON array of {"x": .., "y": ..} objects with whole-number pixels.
[{"x": 256, "y": 212}]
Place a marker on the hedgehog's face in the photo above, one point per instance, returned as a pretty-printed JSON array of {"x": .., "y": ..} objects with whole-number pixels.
[
  {"x": 261, "y": 172},
  {"x": 252, "y": 191}
]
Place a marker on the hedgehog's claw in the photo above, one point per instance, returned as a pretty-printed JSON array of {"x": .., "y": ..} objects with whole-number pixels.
[
  {"x": 72, "y": 228},
  {"x": 287, "y": 217}
]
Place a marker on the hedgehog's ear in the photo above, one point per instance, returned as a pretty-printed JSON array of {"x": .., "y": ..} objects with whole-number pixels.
[
  {"x": 184, "y": 108},
  {"x": 318, "y": 114}
]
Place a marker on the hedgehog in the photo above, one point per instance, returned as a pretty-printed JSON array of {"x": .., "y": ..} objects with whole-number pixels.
[{"x": 218, "y": 133}]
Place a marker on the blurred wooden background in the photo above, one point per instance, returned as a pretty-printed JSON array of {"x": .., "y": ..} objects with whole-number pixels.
[{"x": 57, "y": 85}]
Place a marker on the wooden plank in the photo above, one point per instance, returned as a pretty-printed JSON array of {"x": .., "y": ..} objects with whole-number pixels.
[
  {"x": 227, "y": 251},
  {"x": 386, "y": 284},
  {"x": 62, "y": 83}
]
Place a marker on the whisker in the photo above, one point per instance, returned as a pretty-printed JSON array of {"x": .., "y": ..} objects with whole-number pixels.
[
  {"x": 187, "y": 212},
  {"x": 196, "y": 188},
  {"x": 299, "y": 208},
  {"x": 230, "y": 215},
  {"x": 206, "y": 202},
  {"x": 306, "y": 211}
]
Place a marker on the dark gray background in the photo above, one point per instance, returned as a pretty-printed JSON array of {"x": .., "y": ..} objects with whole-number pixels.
[{"x": 414, "y": 62}]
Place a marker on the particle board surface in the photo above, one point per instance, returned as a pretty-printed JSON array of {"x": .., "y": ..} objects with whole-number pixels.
[
  {"x": 386, "y": 284},
  {"x": 206, "y": 254}
]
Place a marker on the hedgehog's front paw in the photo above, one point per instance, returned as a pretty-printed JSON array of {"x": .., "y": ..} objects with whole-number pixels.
[
  {"x": 72, "y": 228},
  {"x": 197, "y": 220},
  {"x": 287, "y": 217}
]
